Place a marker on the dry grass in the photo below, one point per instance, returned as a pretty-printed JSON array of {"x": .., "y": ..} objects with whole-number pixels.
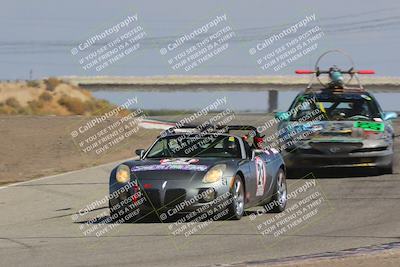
[
  {"x": 52, "y": 97},
  {"x": 46, "y": 97},
  {"x": 51, "y": 83}
]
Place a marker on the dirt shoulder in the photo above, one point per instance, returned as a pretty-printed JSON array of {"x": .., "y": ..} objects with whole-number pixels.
[{"x": 36, "y": 146}]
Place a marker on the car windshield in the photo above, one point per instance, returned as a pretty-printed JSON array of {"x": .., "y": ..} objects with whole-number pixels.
[
  {"x": 336, "y": 107},
  {"x": 221, "y": 146}
]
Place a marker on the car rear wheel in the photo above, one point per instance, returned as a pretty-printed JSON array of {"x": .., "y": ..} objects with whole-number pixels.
[
  {"x": 236, "y": 206},
  {"x": 279, "y": 198}
]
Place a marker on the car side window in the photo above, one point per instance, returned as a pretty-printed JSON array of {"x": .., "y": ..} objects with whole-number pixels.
[
  {"x": 247, "y": 148},
  {"x": 158, "y": 150}
]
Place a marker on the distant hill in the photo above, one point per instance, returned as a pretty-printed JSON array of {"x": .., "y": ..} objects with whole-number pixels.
[{"x": 49, "y": 97}]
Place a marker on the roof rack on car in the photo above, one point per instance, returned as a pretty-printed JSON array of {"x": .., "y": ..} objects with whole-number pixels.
[
  {"x": 188, "y": 128},
  {"x": 191, "y": 128},
  {"x": 183, "y": 128},
  {"x": 334, "y": 90},
  {"x": 239, "y": 127},
  {"x": 337, "y": 83},
  {"x": 251, "y": 128}
]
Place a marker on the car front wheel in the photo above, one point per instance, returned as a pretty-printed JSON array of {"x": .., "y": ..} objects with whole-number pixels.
[
  {"x": 236, "y": 206},
  {"x": 279, "y": 199}
]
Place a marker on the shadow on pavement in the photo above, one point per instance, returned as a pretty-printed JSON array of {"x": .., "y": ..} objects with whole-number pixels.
[{"x": 333, "y": 173}]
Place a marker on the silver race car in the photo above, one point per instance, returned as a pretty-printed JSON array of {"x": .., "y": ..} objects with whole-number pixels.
[
  {"x": 351, "y": 131},
  {"x": 198, "y": 170},
  {"x": 336, "y": 125}
]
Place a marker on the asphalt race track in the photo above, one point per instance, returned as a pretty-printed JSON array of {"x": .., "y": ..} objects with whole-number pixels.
[{"x": 36, "y": 227}]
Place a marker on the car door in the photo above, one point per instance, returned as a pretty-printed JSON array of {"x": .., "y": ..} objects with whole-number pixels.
[{"x": 262, "y": 169}]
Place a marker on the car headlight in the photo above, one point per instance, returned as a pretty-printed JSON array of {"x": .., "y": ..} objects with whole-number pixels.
[
  {"x": 123, "y": 174},
  {"x": 214, "y": 174}
]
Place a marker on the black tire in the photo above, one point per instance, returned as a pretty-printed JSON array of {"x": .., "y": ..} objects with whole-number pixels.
[
  {"x": 236, "y": 206},
  {"x": 278, "y": 201},
  {"x": 387, "y": 169}
]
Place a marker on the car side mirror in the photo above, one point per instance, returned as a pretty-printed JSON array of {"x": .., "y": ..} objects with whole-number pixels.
[
  {"x": 282, "y": 115},
  {"x": 140, "y": 152},
  {"x": 389, "y": 116}
]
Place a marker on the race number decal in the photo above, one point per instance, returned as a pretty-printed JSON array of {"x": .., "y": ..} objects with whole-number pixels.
[{"x": 261, "y": 176}]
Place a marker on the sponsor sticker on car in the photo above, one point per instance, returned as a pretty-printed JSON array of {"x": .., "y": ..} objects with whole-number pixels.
[
  {"x": 370, "y": 126},
  {"x": 166, "y": 167}
]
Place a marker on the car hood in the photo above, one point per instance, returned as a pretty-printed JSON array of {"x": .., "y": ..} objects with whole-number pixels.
[
  {"x": 339, "y": 131},
  {"x": 174, "y": 168}
]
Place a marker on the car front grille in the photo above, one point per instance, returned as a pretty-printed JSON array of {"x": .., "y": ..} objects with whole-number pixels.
[
  {"x": 334, "y": 161},
  {"x": 335, "y": 147},
  {"x": 152, "y": 198},
  {"x": 372, "y": 149},
  {"x": 174, "y": 196}
]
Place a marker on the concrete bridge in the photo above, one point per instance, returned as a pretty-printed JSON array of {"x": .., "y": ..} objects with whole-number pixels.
[{"x": 270, "y": 84}]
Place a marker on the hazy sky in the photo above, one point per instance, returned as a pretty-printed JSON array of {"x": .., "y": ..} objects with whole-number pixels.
[{"x": 39, "y": 34}]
